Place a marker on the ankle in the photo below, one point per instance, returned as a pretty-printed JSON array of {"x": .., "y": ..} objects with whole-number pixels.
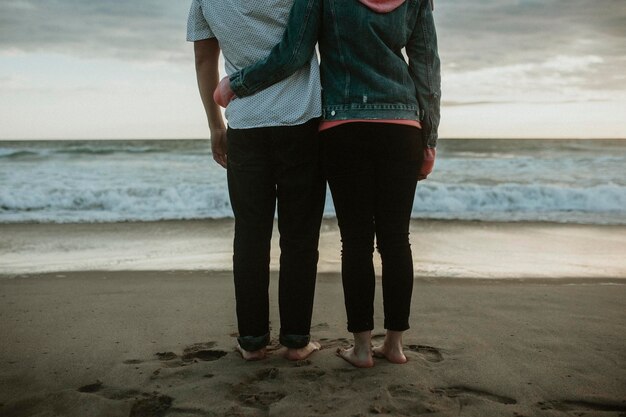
[
  {"x": 362, "y": 343},
  {"x": 393, "y": 340}
]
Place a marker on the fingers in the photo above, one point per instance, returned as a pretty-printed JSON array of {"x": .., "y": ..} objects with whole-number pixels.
[
  {"x": 223, "y": 94},
  {"x": 219, "y": 147},
  {"x": 428, "y": 163},
  {"x": 220, "y": 158}
]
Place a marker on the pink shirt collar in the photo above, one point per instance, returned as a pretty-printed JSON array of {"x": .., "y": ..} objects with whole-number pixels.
[{"x": 383, "y": 6}]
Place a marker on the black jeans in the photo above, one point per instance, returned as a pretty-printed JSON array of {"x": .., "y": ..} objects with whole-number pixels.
[
  {"x": 266, "y": 166},
  {"x": 372, "y": 171}
]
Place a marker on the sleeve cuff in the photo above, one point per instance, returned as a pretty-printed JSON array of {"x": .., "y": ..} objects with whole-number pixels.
[
  {"x": 194, "y": 38},
  {"x": 236, "y": 84},
  {"x": 430, "y": 137}
]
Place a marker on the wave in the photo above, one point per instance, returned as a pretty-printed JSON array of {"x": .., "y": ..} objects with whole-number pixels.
[
  {"x": 19, "y": 153},
  {"x": 109, "y": 151},
  {"x": 519, "y": 197},
  {"x": 504, "y": 202},
  {"x": 79, "y": 149}
]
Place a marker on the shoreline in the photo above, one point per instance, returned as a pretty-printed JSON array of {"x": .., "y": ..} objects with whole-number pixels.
[
  {"x": 441, "y": 249},
  {"x": 326, "y": 219},
  {"x": 321, "y": 277}
]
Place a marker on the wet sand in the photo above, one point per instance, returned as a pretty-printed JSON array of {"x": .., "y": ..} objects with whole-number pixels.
[{"x": 440, "y": 248}]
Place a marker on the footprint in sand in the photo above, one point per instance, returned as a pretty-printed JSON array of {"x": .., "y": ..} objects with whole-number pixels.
[
  {"x": 398, "y": 391},
  {"x": 111, "y": 393},
  {"x": 203, "y": 352},
  {"x": 261, "y": 399},
  {"x": 155, "y": 405},
  {"x": 166, "y": 356},
  {"x": 583, "y": 406},
  {"x": 95, "y": 387},
  {"x": 311, "y": 374},
  {"x": 145, "y": 404},
  {"x": 405, "y": 399},
  {"x": 334, "y": 343},
  {"x": 267, "y": 374},
  {"x": 303, "y": 362},
  {"x": 249, "y": 394},
  {"x": 431, "y": 354},
  {"x": 462, "y": 391}
]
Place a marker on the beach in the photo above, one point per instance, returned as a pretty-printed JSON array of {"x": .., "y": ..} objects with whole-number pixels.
[
  {"x": 117, "y": 214},
  {"x": 508, "y": 319}
]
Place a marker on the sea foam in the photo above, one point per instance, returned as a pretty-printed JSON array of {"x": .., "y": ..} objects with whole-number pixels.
[{"x": 112, "y": 181}]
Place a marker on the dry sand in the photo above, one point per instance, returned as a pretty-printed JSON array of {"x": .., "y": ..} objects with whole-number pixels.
[{"x": 132, "y": 343}]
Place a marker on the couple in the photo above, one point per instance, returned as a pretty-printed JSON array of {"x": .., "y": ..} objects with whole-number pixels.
[{"x": 370, "y": 130}]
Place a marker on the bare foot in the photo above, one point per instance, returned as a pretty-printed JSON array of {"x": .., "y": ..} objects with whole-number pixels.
[
  {"x": 392, "y": 354},
  {"x": 391, "y": 348},
  {"x": 361, "y": 359},
  {"x": 302, "y": 353},
  {"x": 257, "y": 355}
]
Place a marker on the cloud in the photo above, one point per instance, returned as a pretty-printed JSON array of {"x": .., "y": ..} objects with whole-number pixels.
[
  {"x": 473, "y": 34},
  {"x": 485, "y": 32},
  {"x": 567, "y": 49},
  {"x": 507, "y": 65},
  {"x": 127, "y": 30},
  {"x": 532, "y": 50}
]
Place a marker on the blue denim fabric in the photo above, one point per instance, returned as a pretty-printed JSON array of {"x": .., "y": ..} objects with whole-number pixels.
[
  {"x": 294, "y": 341},
  {"x": 254, "y": 343},
  {"x": 364, "y": 73}
]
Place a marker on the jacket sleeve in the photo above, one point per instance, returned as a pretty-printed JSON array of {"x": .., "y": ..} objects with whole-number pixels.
[
  {"x": 425, "y": 68},
  {"x": 294, "y": 50}
]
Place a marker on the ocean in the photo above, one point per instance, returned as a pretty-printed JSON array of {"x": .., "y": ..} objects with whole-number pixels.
[{"x": 567, "y": 181}]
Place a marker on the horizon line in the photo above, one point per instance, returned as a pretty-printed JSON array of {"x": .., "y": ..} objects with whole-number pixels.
[{"x": 441, "y": 138}]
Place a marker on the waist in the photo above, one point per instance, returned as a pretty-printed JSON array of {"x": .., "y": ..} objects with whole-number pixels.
[
  {"x": 370, "y": 112},
  {"x": 329, "y": 124}
]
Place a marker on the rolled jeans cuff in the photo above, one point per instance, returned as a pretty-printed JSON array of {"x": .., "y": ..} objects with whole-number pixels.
[
  {"x": 294, "y": 341},
  {"x": 254, "y": 343},
  {"x": 398, "y": 326}
]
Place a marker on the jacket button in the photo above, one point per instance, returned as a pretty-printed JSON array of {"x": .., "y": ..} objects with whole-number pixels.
[{"x": 332, "y": 113}]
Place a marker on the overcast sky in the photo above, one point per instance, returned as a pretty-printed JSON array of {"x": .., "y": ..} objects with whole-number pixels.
[{"x": 86, "y": 69}]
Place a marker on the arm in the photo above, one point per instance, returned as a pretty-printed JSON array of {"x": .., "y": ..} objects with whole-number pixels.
[
  {"x": 293, "y": 51},
  {"x": 425, "y": 70},
  {"x": 207, "y": 54}
]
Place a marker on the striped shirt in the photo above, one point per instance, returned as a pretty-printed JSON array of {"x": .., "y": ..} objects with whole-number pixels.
[{"x": 247, "y": 31}]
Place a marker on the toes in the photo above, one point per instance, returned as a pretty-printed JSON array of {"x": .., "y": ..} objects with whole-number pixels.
[
  {"x": 251, "y": 356},
  {"x": 302, "y": 353}
]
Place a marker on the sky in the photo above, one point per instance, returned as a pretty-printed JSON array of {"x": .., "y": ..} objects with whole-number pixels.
[{"x": 118, "y": 69}]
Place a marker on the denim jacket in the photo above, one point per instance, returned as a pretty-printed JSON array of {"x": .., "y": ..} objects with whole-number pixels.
[{"x": 363, "y": 69}]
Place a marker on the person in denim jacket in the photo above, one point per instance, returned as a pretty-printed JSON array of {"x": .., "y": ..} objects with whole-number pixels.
[{"x": 380, "y": 116}]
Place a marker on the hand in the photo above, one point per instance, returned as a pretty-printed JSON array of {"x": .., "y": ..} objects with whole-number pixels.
[
  {"x": 223, "y": 94},
  {"x": 427, "y": 164},
  {"x": 218, "y": 146}
]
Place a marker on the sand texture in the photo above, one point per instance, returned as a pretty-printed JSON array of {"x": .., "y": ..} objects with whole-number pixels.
[{"x": 139, "y": 344}]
